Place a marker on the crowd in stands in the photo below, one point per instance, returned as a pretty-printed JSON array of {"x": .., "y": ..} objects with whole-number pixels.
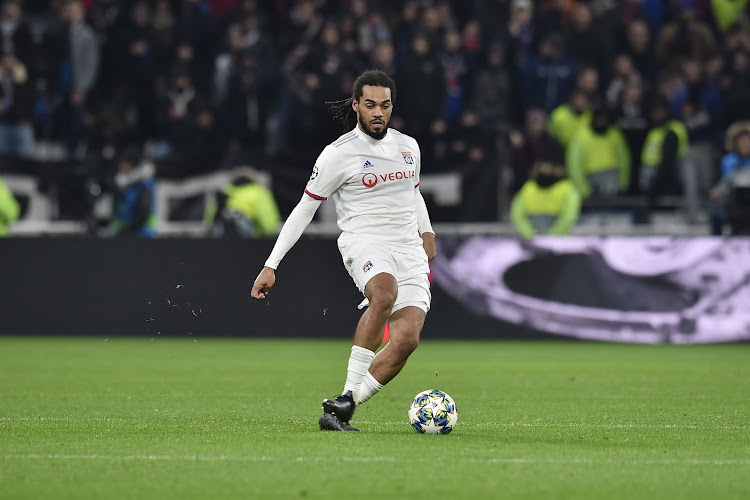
[{"x": 631, "y": 96}]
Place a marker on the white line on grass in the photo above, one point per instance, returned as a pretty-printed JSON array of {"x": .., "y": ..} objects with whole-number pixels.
[
  {"x": 545, "y": 425},
  {"x": 328, "y": 459},
  {"x": 576, "y": 425}
]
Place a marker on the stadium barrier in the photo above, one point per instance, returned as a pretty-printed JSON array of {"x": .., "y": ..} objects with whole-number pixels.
[{"x": 648, "y": 289}]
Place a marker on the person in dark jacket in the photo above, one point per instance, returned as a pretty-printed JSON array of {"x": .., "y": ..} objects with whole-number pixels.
[{"x": 135, "y": 204}]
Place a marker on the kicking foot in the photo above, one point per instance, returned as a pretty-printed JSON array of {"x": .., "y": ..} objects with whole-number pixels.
[
  {"x": 329, "y": 422},
  {"x": 342, "y": 407}
]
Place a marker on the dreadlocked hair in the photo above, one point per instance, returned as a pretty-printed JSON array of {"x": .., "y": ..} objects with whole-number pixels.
[{"x": 342, "y": 110}]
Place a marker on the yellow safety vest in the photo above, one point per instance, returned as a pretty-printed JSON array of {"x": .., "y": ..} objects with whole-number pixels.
[
  {"x": 601, "y": 149},
  {"x": 564, "y": 123},
  {"x": 653, "y": 147},
  {"x": 545, "y": 201}
]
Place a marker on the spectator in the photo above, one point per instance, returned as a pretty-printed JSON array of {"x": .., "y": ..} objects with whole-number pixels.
[
  {"x": 530, "y": 146},
  {"x": 10, "y": 210},
  {"x": 588, "y": 80},
  {"x": 697, "y": 105},
  {"x": 473, "y": 47},
  {"x": 250, "y": 96},
  {"x": 597, "y": 158},
  {"x": 78, "y": 73},
  {"x": 587, "y": 40},
  {"x": 244, "y": 208},
  {"x": 372, "y": 31},
  {"x": 175, "y": 111},
  {"x": 623, "y": 71},
  {"x": 521, "y": 31},
  {"x": 547, "y": 78},
  {"x": 639, "y": 47},
  {"x": 663, "y": 151},
  {"x": 567, "y": 118},
  {"x": 548, "y": 203},
  {"x": 493, "y": 93},
  {"x": 303, "y": 26},
  {"x": 725, "y": 196},
  {"x": 196, "y": 29},
  {"x": 455, "y": 70},
  {"x": 631, "y": 116},
  {"x": 15, "y": 35},
  {"x": 421, "y": 92},
  {"x": 135, "y": 203},
  {"x": 16, "y": 109},
  {"x": 138, "y": 61},
  {"x": 736, "y": 88},
  {"x": 226, "y": 64},
  {"x": 164, "y": 27},
  {"x": 685, "y": 37},
  {"x": 468, "y": 141},
  {"x": 327, "y": 71},
  {"x": 384, "y": 57}
]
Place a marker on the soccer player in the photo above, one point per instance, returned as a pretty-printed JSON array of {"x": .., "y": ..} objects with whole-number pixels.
[{"x": 386, "y": 242}]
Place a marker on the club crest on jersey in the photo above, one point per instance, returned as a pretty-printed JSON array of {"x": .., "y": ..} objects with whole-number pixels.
[
  {"x": 369, "y": 180},
  {"x": 408, "y": 158},
  {"x": 367, "y": 266}
]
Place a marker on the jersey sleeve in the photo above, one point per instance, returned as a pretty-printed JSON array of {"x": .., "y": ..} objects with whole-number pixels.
[
  {"x": 327, "y": 175},
  {"x": 418, "y": 164}
]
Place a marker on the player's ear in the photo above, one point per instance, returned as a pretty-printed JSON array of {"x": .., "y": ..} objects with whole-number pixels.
[{"x": 355, "y": 105}]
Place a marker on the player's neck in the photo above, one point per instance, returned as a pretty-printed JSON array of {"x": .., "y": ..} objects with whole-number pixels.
[{"x": 370, "y": 139}]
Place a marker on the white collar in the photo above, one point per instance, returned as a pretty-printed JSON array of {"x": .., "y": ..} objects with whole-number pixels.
[{"x": 370, "y": 140}]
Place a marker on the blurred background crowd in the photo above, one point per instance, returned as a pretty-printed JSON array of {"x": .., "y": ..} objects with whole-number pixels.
[{"x": 545, "y": 109}]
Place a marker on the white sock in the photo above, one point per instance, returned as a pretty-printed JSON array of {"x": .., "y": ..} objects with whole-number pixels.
[
  {"x": 359, "y": 362},
  {"x": 370, "y": 387}
]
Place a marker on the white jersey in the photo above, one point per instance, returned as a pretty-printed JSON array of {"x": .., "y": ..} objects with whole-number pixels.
[{"x": 373, "y": 184}]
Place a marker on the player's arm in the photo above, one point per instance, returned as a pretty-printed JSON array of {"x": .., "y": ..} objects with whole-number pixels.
[
  {"x": 423, "y": 218},
  {"x": 290, "y": 233},
  {"x": 425, "y": 227},
  {"x": 327, "y": 177}
]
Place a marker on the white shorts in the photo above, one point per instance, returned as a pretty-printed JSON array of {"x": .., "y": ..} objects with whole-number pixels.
[{"x": 363, "y": 260}]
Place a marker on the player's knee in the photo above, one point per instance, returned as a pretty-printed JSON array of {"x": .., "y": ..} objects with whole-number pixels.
[
  {"x": 383, "y": 300},
  {"x": 408, "y": 344}
]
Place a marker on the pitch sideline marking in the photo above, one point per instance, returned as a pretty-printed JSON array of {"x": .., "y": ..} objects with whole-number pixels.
[
  {"x": 264, "y": 458},
  {"x": 574, "y": 425},
  {"x": 577, "y": 425}
]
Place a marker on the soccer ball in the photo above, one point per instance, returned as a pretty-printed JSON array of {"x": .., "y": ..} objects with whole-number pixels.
[{"x": 433, "y": 412}]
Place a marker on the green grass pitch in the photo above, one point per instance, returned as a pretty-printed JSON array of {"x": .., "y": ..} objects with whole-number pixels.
[{"x": 178, "y": 418}]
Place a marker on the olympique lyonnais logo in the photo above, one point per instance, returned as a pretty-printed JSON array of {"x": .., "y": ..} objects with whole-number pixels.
[
  {"x": 408, "y": 158},
  {"x": 367, "y": 266},
  {"x": 370, "y": 180}
]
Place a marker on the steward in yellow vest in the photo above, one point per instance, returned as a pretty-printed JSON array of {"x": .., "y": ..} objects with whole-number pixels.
[
  {"x": 548, "y": 203},
  {"x": 566, "y": 119},
  {"x": 245, "y": 208},
  {"x": 597, "y": 158},
  {"x": 9, "y": 209},
  {"x": 665, "y": 146}
]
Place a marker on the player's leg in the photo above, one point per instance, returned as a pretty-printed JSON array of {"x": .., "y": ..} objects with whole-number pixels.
[
  {"x": 372, "y": 271},
  {"x": 381, "y": 291},
  {"x": 405, "y": 324},
  {"x": 405, "y": 327}
]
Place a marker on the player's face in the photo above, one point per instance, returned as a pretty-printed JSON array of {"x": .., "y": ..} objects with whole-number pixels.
[{"x": 374, "y": 110}]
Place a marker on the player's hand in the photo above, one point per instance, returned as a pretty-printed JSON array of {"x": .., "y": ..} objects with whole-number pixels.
[
  {"x": 263, "y": 283},
  {"x": 428, "y": 242}
]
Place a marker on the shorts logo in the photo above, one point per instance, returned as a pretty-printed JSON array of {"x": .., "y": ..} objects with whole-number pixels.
[
  {"x": 369, "y": 180},
  {"x": 408, "y": 158},
  {"x": 367, "y": 266}
]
